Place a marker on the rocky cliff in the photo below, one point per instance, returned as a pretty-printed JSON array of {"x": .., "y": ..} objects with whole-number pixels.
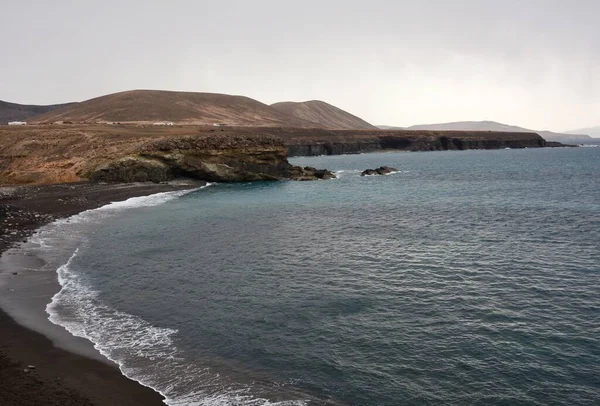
[
  {"x": 53, "y": 154},
  {"x": 353, "y": 142},
  {"x": 129, "y": 153},
  {"x": 222, "y": 158}
]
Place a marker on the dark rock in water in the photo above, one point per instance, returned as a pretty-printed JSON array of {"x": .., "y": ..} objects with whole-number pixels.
[
  {"x": 382, "y": 170},
  {"x": 310, "y": 173}
]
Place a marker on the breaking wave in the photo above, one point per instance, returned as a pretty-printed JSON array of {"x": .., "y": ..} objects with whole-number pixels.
[{"x": 143, "y": 352}]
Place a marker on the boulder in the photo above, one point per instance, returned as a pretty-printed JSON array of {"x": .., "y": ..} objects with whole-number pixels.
[
  {"x": 309, "y": 173},
  {"x": 369, "y": 172},
  {"x": 382, "y": 170}
]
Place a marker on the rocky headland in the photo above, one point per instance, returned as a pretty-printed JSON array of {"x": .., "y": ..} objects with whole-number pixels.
[
  {"x": 60, "y": 154},
  {"x": 338, "y": 142},
  {"x": 49, "y": 154},
  {"x": 219, "y": 158}
]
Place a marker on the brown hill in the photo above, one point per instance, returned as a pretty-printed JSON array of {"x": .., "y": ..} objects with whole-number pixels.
[
  {"x": 21, "y": 112},
  {"x": 148, "y": 106},
  {"x": 323, "y": 114}
]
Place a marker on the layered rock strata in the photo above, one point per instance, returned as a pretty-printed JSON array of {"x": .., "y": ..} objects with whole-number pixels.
[{"x": 40, "y": 158}]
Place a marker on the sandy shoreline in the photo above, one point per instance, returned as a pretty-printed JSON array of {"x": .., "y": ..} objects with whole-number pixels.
[{"x": 69, "y": 371}]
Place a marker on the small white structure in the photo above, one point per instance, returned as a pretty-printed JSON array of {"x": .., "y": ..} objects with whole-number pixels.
[
  {"x": 159, "y": 124},
  {"x": 169, "y": 123},
  {"x": 220, "y": 125},
  {"x": 17, "y": 123}
]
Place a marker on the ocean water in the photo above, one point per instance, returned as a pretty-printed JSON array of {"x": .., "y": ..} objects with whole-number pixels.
[{"x": 467, "y": 277}]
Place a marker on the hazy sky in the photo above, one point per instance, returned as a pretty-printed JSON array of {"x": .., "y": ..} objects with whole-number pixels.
[{"x": 533, "y": 63}]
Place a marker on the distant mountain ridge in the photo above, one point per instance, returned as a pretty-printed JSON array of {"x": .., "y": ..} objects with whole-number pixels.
[
  {"x": 494, "y": 126},
  {"x": 21, "y": 112},
  {"x": 323, "y": 114},
  {"x": 591, "y": 131}
]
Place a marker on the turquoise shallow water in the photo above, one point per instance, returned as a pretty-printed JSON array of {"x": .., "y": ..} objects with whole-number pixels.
[{"x": 468, "y": 277}]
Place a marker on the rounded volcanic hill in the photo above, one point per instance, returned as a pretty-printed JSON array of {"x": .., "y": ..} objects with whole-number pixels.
[
  {"x": 148, "y": 106},
  {"x": 18, "y": 112},
  {"x": 323, "y": 114}
]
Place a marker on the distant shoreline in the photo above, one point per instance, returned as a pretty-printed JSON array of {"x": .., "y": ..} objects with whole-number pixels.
[{"x": 49, "y": 154}]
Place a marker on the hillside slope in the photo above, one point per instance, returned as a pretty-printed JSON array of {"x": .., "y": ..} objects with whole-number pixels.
[
  {"x": 323, "y": 114},
  {"x": 22, "y": 112},
  {"x": 147, "y": 106}
]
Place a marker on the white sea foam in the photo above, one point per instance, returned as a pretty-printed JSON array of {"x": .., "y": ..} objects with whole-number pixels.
[
  {"x": 143, "y": 352},
  {"x": 354, "y": 171},
  {"x": 347, "y": 171},
  {"x": 344, "y": 172},
  {"x": 60, "y": 232}
]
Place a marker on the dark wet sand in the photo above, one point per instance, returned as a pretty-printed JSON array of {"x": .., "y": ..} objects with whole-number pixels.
[{"x": 60, "y": 377}]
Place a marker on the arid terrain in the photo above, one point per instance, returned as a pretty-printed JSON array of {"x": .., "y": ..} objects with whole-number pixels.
[
  {"x": 46, "y": 154},
  {"x": 21, "y": 112},
  {"x": 168, "y": 108},
  {"x": 152, "y": 106},
  {"x": 151, "y": 135},
  {"x": 323, "y": 114}
]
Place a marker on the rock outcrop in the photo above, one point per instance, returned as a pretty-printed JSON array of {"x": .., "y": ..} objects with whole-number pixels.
[
  {"x": 126, "y": 153},
  {"x": 310, "y": 173},
  {"x": 60, "y": 154},
  {"x": 382, "y": 170},
  {"x": 219, "y": 158},
  {"x": 338, "y": 142}
]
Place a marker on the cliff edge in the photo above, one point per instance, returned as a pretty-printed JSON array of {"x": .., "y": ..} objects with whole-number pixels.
[{"x": 54, "y": 154}]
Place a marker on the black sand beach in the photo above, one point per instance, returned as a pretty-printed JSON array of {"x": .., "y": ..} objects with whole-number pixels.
[{"x": 33, "y": 371}]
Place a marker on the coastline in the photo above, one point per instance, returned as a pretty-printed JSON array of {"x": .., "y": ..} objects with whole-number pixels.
[{"x": 69, "y": 372}]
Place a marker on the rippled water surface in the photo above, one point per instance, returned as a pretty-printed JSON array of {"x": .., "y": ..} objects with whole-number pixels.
[{"x": 466, "y": 278}]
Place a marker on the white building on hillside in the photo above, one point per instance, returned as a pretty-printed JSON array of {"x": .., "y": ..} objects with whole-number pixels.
[{"x": 17, "y": 123}]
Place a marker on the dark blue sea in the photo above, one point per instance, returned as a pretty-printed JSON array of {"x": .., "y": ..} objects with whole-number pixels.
[{"x": 466, "y": 278}]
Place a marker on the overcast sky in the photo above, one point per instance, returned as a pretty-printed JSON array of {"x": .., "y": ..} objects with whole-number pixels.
[{"x": 533, "y": 63}]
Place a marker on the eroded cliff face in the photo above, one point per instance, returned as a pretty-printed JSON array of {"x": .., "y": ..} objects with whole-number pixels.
[
  {"x": 128, "y": 153},
  {"x": 214, "y": 157},
  {"x": 363, "y": 142}
]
